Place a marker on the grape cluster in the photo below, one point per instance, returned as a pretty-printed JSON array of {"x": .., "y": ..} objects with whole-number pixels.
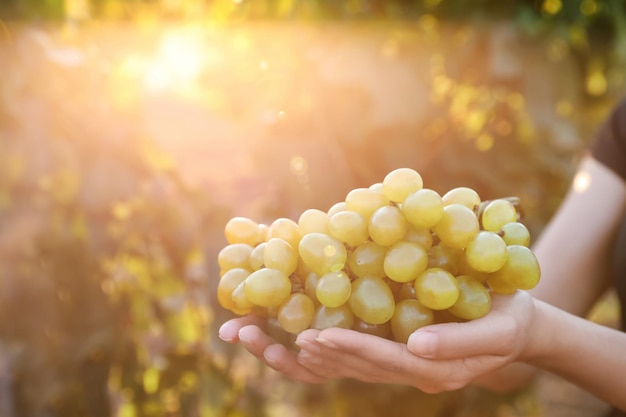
[{"x": 387, "y": 260}]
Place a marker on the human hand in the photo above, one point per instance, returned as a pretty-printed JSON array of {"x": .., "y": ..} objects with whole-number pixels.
[{"x": 441, "y": 357}]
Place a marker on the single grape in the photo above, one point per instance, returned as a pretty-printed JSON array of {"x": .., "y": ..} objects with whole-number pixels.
[
  {"x": 401, "y": 182},
  {"x": 499, "y": 285},
  {"x": 256, "y": 256},
  {"x": 227, "y": 284},
  {"x": 367, "y": 259},
  {"x": 365, "y": 201},
  {"x": 474, "y": 299},
  {"x": 279, "y": 254},
  {"x": 457, "y": 227},
  {"x": 313, "y": 220},
  {"x": 377, "y": 187},
  {"x": 466, "y": 269},
  {"x": 409, "y": 316},
  {"x": 336, "y": 208},
  {"x": 241, "y": 301},
  {"x": 422, "y": 237},
  {"x": 515, "y": 233},
  {"x": 371, "y": 300},
  {"x": 327, "y": 317},
  {"x": 235, "y": 255},
  {"x": 423, "y": 208},
  {"x": 285, "y": 229},
  {"x": 310, "y": 286},
  {"x": 405, "y": 261},
  {"x": 296, "y": 313},
  {"x": 348, "y": 227},
  {"x": 333, "y": 289},
  {"x": 498, "y": 213},
  {"x": 387, "y": 226},
  {"x": 243, "y": 230},
  {"x": 486, "y": 252},
  {"x": 267, "y": 287},
  {"x": 521, "y": 269},
  {"x": 462, "y": 195},
  {"x": 322, "y": 253},
  {"x": 381, "y": 330},
  {"x": 442, "y": 256},
  {"x": 437, "y": 289}
]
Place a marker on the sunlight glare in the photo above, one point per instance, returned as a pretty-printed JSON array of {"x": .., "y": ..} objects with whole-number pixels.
[{"x": 582, "y": 181}]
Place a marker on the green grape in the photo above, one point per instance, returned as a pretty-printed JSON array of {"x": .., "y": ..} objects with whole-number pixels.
[
  {"x": 365, "y": 201},
  {"x": 422, "y": 237},
  {"x": 310, "y": 286},
  {"x": 465, "y": 196},
  {"x": 227, "y": 284},
  {"x": 401, "y": 182},
  {"x": 377, "y": 187},
  {"x": 313, "y": 220},
  {"x": 387, "y": 226},
  {"x": 515, "y": 233},
  {"x": 457, "y": 227},
  {"x": 423, "y": 208},
  {"x": 367, "y": 259},
  {"x": 409, "y": 316},
  {"x": 521, "y": 269},
  {"x": 348, "y": 227},
  {"x": 404, "y": 261},
  {"x": 265, "y": 230},
  {"x": 279, "y": 254},
  {"x": 487, "y": 252},
  {"x": 296, "y": 313},
  {"x": 240, "y": 299},
  {"x": 267, "y": 287},
  {"x": 499, "y": 285},
  {"x": 436, "y": 289},
  {"x": 256, "y": 256},
  {"x": 336, "y": 208},
  {"x": 285, "y": 229},
  {"x": 243, "y": 230},
  {"x": 327, "y": 317},
  {"x": 466, "y": 269},
  {"x": 406, "y": 292},
  {"x": 322, "y": 253},
  {"x": 498, "y": 213},
  {"x": 380, "y": 330},
  {"x": 235, "y": 255},
  {"x": 371, "y": 300},
  {"x": 333, "y": 289},
  {"x": 444, "y": 257},
  {"x": 474, "y": 299}
]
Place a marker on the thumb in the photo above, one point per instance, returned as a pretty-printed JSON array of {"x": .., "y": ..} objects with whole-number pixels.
[{"x": 487, "y": 336}]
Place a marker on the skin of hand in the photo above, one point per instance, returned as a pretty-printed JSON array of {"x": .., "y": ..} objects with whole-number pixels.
[{"x": 436, "y": 358}]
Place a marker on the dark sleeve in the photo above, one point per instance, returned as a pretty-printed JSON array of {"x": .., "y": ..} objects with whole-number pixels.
[{"x": 609, "y": 145}]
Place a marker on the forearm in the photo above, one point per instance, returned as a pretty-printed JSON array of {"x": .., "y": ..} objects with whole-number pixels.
[{"x": 587, "y": 354}]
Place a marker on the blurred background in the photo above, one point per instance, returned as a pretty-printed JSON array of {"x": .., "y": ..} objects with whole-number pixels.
[{"x": 131, "y": 131}]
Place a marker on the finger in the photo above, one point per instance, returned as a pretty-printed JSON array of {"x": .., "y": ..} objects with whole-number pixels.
[
  {"x": 255, "y": 340},
  {"x": 283, "y": 360},
  {"x": 340, "y": 353},
  {"x": 229, "y": 331},
  {"x": 496, "y": 334}
]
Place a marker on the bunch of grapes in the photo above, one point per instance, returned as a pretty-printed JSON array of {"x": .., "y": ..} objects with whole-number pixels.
[{"x": 387, "y": 260}]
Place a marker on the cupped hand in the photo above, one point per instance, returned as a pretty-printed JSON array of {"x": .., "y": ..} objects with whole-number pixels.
[
  {"x": 436, "y": 358},
  {"x": 248, "y": 331}
]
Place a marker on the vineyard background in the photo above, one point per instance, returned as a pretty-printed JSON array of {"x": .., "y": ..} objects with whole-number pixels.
[{"x": 131, "y": 131}]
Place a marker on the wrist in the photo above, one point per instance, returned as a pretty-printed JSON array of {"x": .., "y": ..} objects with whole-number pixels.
[{"x": 540, "y": 338}]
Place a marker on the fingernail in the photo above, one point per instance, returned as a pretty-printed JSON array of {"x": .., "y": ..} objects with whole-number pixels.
[
  {"x": 307, "y": 345},
  {"x": 242, "y": 337},
  {"x": 306, "y": 358},
  {"x": 423, "y": 344},
  {"x": 273, "y": 362},
  {"x": 325, "y": 342}
]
